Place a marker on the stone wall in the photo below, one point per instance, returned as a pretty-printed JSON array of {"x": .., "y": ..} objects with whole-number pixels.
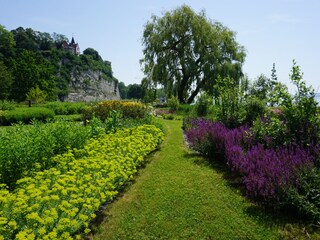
[{"x": 87, "y": 86}]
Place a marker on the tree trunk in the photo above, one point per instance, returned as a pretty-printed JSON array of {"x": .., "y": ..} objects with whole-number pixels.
[
  {"x": 194, "y": 93},
  {"x": 181, "y": 89}
]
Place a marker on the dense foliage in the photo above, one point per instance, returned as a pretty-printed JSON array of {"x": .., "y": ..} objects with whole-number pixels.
[
  {"x": 31, "y": 59},
  {"x": 61, "y": 201}
]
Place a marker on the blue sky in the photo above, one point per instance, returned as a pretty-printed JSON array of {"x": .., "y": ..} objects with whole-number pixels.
[{"x": 272, "y": 31}]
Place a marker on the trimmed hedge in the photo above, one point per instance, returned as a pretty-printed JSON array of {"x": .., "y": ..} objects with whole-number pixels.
[
  {"x": 66, "y": 108},
  {"x": 26, "y": 115}
]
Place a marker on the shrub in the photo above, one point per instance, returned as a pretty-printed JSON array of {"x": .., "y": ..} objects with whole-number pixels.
[
  {"x": 27, "y": 115},
  {"x": 173, "y": 103},
  {"x": 185, "y": 109},
  {"x": 60, "y": 202},
  {"x": 254, "y": 108},
  {"x": 104, "y": 109},
  {"x": 168, "y": 116},
  {"x": 7, "y": 105},
  {"x": 203, "y": 105},
  {"x": 66, "y": 108}
]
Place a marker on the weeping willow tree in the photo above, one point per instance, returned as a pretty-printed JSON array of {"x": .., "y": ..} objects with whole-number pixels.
[{"x": 185, "y": 52}]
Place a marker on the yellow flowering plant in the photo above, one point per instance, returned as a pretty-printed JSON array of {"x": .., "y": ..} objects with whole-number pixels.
[{"x": 60, "y": 202}]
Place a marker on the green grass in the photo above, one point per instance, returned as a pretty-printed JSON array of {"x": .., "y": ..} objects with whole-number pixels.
[{"x": 179, "y": 196}]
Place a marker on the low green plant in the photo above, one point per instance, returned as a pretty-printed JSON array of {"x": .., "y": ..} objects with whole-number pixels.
[
  {"x": 173, "y": 103},
  {"x": 7, "y": 105},
  {"x": 168, "y": 116},
  {"x": 28, "y": 148},
  {"x": 66, "y": 108},
  {"x": 185, "y": 109},
  {"x": 305, "y": 197},
  {"x": 27, "y": 115}
]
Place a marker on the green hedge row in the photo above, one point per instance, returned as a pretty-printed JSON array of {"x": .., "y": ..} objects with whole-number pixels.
[{"x": 25, "y": 115}]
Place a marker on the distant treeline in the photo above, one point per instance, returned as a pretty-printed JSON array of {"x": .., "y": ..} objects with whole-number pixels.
[{"x": 32, "y": 60}]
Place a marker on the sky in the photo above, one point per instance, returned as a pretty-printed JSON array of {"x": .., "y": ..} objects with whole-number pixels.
[{"x": 272, "y": 31}]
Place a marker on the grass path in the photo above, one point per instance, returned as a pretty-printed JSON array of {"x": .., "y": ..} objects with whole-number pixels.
[{"x": 178, "y": 196}]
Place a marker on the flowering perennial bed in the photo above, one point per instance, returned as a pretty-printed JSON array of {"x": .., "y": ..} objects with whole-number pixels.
[
  {"x": 59, "y": 203},
  {"x": 266, "y": 173}
]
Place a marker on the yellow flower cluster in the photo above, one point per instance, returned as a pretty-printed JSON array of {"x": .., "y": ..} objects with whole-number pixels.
[{"x": 59, "y": 202}]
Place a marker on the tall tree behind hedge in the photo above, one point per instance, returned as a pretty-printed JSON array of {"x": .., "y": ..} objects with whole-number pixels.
[
  {"x": 185, "y": 52},
  {"x": 5, "y": 81},
  {"x": 32, "y": 70}
]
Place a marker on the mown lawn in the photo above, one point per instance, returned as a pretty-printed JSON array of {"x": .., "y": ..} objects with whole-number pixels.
[{"x": 178, "y": 195}]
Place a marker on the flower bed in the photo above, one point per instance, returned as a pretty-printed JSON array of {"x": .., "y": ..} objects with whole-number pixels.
[
  {"x": 61, "y": 202},
  {"x": 266, "y": 173}
]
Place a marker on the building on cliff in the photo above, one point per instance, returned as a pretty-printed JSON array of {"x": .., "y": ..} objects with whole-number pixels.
[{"x": 72, "y": 47}]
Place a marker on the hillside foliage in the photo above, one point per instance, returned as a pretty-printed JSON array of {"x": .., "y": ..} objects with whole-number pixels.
[{"x": 32, "y": 59}]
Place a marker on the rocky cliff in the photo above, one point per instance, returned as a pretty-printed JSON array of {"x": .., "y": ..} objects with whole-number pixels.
[{"x": 90, "y": 85}]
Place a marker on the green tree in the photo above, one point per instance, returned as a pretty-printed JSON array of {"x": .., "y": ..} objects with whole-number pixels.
[
  {"x": 7, "y": 43},
  {"x": 260, "y": 87},
  {"x": 37, "y": 95},
  {"x": 5, "y": 81},
  {"x": 44, "y": 40},
  {"x": 185, "y": 52},
  {"x": 32, "y": 70},
  {"x": 123, "y": 89},
  {"x": 95, "y": 55},
  {"x": 25, "y": 39},
  {"x": 134, "y": 91}
]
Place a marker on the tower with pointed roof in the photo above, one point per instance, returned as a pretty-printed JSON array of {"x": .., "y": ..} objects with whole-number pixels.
[{"x": 72, "y": 47}]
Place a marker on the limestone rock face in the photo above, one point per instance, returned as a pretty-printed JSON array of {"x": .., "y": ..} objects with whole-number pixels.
[{"x": 87, "y": 86}]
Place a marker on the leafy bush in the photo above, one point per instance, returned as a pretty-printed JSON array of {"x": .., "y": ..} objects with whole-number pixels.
[
  {"x": 173, "y": 103},
  {"x": 305, "y": 196},
  {"x": 33, "y": 147},
  {"x": 298, "y": 122},
  {"x": 228, "y": 102},
  {"x": 254, "y": 108},
  {"x": 103, "y": 110},
  {"x": 66, "y": 108},
  {"x": 26, "y": 115},
  {"x": 7, "y": 105},
  {"x": 168, "y": 116},
  {"x": 203, "y": 105},
  {"x": 185, "y": 109},
  {"x": 61, "y": 201}
]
